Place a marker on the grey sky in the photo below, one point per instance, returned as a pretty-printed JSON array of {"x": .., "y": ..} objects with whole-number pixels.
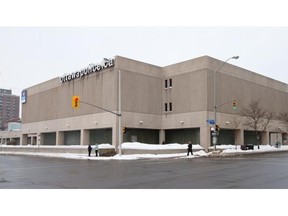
[{"x": 30, "y": 55}]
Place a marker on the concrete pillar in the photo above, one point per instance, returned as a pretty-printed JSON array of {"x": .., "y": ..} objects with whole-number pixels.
[
  {"x": 280, "y": 138},
  {"x": 239, "y": 137},
  {"x": 32, "y": 140},
  {"x": 59, "y": 138},
  {"x": 265, "y": 138},
  {"x": 39, "y": 139},
  {"x": 161, "y": 136},
  {"x": 284, "y": 139},
  {"x": 205, "y": 138},
  {"x": 23, "y": 139},
  {"x": 84, "y": 137}
]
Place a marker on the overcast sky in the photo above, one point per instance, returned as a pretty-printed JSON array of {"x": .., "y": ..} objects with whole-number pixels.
[
  {"x": 40, "y": 41},
  {"x": 30, "y": 55}
]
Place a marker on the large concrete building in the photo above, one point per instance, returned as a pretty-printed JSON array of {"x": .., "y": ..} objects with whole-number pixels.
[
  {"x": 169, "y": 103},
  {"x": 9, "y": 108}
]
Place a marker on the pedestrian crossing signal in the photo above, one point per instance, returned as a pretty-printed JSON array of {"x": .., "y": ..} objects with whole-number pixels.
[
  {"x": 75, "y": 102},
  {"x": 217, "y": 128}
]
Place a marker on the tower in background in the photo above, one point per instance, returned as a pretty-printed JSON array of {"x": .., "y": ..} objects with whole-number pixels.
[{"x": 9, "y": 108}]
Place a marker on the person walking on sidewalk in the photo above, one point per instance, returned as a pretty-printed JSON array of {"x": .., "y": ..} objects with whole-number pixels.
[
  {"x": 89, "y": 150},
  {"x": 189, "y": 149},
  {"x": 96, "y": 149}
]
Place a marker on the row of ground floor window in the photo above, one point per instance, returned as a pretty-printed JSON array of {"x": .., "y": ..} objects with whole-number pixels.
[{"x": 139, "y": 135}]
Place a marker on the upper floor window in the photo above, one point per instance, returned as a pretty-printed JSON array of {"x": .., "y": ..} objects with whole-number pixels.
[{"x": 168, "y": 83}]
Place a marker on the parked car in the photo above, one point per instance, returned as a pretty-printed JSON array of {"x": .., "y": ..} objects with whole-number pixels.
[{"x": 247, "y": 147}]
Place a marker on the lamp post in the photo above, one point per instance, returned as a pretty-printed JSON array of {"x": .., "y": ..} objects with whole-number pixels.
[
  {"x": 120, "y": 136},
  {"x": 215, "y": 106}
]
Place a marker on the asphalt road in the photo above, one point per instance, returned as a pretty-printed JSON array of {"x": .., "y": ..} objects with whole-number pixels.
[{"x": 267, "y": 171}]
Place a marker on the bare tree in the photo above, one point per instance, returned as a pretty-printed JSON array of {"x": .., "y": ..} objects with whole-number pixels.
[{"x": 257, "y": 118}]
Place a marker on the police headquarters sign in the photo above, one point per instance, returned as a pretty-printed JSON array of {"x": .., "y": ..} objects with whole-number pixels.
[{"x": 92, "y": 68}]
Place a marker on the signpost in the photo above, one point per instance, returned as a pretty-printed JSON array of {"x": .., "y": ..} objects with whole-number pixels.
[{"x": 210, "y": 121}]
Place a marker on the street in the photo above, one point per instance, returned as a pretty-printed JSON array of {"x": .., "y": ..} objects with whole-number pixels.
[{"x": 261, "y": 171}]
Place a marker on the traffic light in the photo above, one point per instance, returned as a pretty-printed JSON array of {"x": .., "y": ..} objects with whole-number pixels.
[
  {"x": 217, "y": 128},
  {"x": 124, "y": 130},
  {"x": 234, "y": 104},
  {"x": 76, "y": 102}
]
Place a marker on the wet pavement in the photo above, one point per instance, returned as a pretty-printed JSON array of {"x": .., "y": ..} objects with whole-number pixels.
[{"x": 267, "y": 171}]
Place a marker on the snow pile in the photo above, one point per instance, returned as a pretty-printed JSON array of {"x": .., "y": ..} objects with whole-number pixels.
[
  {"x": 143, "y": 146},
  {"x": 263, "y": 148},
  {"x": 198, "y": 151}
]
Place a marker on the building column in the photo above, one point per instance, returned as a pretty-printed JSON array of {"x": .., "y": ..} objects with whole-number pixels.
[
  {"x": 84, "y": 137},
  {"x": 239, "y": 137},
  {"x": 162, "y": 136},
  {"x": 284, "y": 138},
  {"x": 205, "y": 137},
  {"x": 59, "y": 138},
  {"x": 39, "y": 139},
  {"x": 265, "y": 138},
  {"x": 23, "y": 139},
  {"x": 280, "y": 138}
]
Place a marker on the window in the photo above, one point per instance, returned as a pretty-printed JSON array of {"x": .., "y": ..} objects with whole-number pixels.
[
  {"x": 170, "y": 83},
  {"x": 170, "y": 107},
  {"x": 166, "y": 107},
  {"x": 166, "y": 84}
]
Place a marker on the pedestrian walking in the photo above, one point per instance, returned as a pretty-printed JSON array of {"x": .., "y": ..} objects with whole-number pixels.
[
  {"x": 189, "y": 149},
  {"x": 89, "y": 150},
  {"x": 96, "y": 149}
]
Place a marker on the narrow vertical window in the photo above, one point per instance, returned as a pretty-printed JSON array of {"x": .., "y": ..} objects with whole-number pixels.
[
  {"x": 170, "y": 107},
  {"x": 166, "y": 84},
  {"x": 166, "y": 107},
  {"x": 170, "y": 83}
]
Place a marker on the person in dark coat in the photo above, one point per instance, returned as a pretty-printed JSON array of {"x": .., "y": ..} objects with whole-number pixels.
[
  {"x": 89, "y": 150},
  {"x": 189, "y": 149},
  {"x": 96, "y": 149}
]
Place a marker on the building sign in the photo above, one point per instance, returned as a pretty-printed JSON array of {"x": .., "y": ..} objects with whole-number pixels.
[
  {"x": 24, "y": 96},
  {"x": 92, "y": 68}
]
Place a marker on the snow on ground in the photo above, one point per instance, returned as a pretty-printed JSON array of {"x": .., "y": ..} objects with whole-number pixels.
[
  {"x": 198, "y": 151},
  {"x": 137, "y": 145}
]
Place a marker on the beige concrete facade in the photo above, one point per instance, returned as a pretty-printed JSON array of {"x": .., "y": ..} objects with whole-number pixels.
[{"x": 145, "y": 101}]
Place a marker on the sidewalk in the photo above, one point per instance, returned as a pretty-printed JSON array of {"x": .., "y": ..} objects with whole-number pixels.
[{"x": 133, "y": 151}]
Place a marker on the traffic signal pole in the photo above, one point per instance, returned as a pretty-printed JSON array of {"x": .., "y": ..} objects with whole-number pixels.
[
  {"x": 76, "y": 102},
  {"x": 119, "y": 114},
  {"x": 119, "y": 121},
  {"x": 215, "y": 106}
]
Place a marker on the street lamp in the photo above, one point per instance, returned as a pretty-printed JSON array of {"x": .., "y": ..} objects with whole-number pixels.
[{"x": 215, "y": 106}]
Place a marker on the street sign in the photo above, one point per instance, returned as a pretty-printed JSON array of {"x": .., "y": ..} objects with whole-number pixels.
[
  {"x": 211, "y": 121},
  {"x": 215, "y": 133}
]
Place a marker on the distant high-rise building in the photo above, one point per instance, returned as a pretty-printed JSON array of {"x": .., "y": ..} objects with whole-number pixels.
[{"x": 9, "y": 108}]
